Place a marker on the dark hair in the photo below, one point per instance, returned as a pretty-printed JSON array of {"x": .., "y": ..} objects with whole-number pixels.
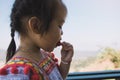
[{"x": 45, "y": 10}]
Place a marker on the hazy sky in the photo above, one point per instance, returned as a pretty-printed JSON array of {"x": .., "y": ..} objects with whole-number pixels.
[{"x": 90, "y": 24}]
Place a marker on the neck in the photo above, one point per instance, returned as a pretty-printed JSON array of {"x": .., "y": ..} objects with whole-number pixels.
[
  {"x": 28, "y": 45},
  {"x": 28, "y": 50}
]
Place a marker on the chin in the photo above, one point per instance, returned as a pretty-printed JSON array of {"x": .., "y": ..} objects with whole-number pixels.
[{"x": 49, "y": 50}]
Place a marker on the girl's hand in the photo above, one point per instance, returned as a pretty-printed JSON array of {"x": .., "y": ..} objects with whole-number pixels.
[{"x": 67, "y": 52}]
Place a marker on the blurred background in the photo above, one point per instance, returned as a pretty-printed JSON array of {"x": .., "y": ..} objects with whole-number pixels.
[{"x": 92, "y": 26}]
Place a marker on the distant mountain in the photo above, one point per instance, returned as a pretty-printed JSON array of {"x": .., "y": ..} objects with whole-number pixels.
[
  {"x": 84, "y": 54},
  {"x": 78, "y": 54},
  {"x": 2, "y": 54}
]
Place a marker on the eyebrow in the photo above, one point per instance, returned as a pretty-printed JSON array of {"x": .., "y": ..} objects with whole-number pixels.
[{"x": 62, "y": 21}]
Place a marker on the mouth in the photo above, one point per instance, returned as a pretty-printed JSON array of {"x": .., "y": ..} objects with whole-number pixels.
[{"x": 58, "y": 43}]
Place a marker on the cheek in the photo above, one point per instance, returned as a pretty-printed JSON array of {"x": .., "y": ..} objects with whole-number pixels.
[
  {"x": 55, "y": 37},
  {"x": 56, "y": 34}
]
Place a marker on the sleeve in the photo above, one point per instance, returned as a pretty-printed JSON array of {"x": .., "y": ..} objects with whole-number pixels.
[
  {"x": 19, "y": 73},
  {"x": 14, "y": 77},
  {"x": 13, "y": 74}
]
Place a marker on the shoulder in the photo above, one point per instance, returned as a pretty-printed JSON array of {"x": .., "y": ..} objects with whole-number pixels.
[
  {"x": 51, "y": 55},
  {"x": 20, "y": 69}
]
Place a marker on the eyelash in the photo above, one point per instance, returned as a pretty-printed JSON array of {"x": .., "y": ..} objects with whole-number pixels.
[{"x": 60, "y": 27}]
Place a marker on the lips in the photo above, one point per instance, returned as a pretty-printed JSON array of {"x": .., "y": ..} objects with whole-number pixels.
[{"x": 59, "y": 44}]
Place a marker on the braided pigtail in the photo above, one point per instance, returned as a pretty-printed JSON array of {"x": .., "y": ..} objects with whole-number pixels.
[
  {"x": 12, "y": 47},
  {"x": 45, "y": 10}
]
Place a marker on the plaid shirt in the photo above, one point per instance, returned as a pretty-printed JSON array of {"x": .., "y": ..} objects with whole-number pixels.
[{"x": 20, "y": 68}]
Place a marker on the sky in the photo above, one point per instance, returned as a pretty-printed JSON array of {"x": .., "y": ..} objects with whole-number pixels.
[{"x": 90, "y": 24}]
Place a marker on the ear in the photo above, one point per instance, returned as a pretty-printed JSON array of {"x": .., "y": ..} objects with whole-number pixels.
[{"x": 34, "y": 24}]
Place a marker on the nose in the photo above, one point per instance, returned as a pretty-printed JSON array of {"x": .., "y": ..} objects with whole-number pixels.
[{"x": 61, "y": 32}]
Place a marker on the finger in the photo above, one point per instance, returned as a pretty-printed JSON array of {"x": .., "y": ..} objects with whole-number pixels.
[{"x": 66, "y": 45}]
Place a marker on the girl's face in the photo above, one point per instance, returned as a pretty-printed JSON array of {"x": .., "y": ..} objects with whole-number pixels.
[{"x": 49, "y": 40}]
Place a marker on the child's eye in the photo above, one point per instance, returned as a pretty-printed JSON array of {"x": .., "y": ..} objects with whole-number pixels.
[{"x": 60, "y": 27}]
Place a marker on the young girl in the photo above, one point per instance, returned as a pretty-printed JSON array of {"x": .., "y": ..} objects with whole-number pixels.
[{"x": 39, "y": 24}]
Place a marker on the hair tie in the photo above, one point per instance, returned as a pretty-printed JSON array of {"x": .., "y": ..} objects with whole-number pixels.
[{"x": 12, "y": 33}]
